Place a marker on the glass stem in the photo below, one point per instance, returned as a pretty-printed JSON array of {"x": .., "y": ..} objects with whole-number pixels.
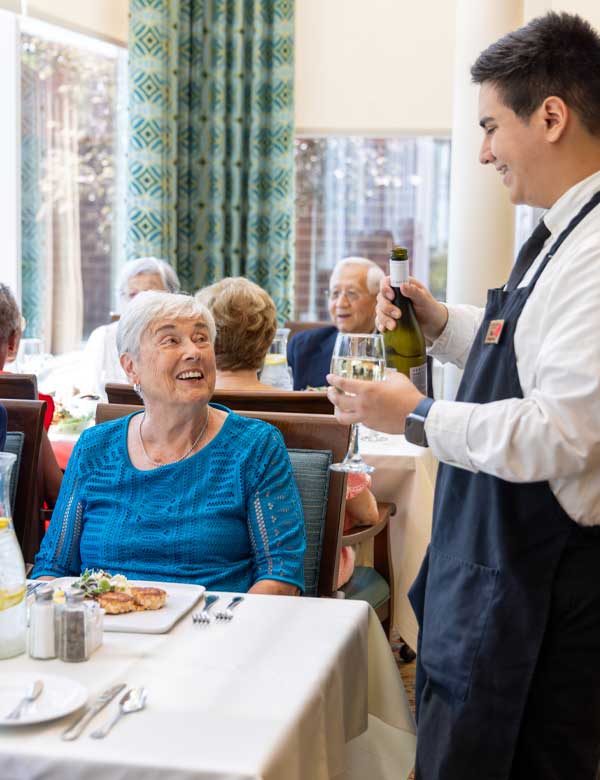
[{"x": 353, "y": 449}]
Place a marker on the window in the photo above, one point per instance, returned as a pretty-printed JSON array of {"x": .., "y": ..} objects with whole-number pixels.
[
  {"x": 361, "y": 196},
  {"x": 73, "y": 142}
]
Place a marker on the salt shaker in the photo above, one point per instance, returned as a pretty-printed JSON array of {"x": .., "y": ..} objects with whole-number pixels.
[
  {"x": 73, "y": 644},
  {"x": 41, "y": 625}
]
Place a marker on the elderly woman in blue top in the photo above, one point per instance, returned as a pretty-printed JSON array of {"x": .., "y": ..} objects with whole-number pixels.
[{"x": 184, "y": 490}]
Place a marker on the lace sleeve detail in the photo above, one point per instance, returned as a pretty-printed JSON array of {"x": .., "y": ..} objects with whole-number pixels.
[
  {"x": 59, "y": 554},
  {"x": 275, "y": 521}
]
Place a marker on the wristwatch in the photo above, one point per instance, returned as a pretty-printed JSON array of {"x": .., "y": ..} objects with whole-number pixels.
[{"x": 414, "y": 426}]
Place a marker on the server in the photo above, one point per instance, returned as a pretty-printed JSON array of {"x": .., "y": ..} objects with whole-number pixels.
[{"x": 508, "y": 597}]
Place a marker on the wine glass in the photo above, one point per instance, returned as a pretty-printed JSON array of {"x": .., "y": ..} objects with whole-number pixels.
[
  {"x": 30, "y": 356},
  {"x": 357, "y": 356}
]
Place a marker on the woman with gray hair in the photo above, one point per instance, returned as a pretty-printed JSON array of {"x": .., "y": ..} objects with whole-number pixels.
[
  {"x": 100, "y": 355},
  {"x": 182, "y": 489}
]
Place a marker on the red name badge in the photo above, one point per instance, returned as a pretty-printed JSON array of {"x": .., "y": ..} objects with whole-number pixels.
[{"x": 494, "y": 332}]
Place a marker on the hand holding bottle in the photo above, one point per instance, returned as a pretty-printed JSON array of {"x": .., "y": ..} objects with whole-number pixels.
[{"x": 431, "y": 314}]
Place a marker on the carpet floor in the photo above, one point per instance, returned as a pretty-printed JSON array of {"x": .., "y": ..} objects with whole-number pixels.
[{"x": 407, "y": 672}]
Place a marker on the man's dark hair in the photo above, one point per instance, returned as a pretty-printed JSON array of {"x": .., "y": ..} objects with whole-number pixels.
[{"x": 556, "y": 54}]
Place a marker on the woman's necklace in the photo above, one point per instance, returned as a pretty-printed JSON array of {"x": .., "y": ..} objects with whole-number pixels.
[{"x": 185, "y": 454}]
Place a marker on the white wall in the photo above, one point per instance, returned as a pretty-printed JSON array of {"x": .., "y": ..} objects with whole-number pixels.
[
  {"x": 374, "y": 66},
  {"x": 589, "y": 9},
  {"x": 10, "y": 191},
  {"x": 104, "y": 18},
  {"x": 385, "y": 66}
]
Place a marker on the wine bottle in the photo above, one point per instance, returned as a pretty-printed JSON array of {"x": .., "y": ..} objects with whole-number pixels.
[{"x": 405, "y": 345}]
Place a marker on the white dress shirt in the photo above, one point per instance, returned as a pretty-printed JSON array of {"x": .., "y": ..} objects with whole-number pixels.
[
  {"x": 101, "y": 360},
  {"x": 553, "y": 432}
]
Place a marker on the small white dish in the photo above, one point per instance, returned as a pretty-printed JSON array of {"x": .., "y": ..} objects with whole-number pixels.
[{"x": 60, "y": 697}]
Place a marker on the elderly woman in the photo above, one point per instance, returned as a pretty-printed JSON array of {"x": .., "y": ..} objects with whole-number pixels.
[
  {"x": 101, "y": 357},
  {"x": 246, "y": 322},
  {"x": 11, "y": 327},
  {"x": 184, "y": 490}
]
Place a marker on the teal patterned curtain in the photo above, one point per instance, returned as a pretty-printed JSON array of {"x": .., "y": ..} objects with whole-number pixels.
[{"x": 211, "y": 158}]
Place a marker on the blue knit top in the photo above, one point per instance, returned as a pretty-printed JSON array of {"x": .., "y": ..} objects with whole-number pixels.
[{"x": 226, "y": 517}]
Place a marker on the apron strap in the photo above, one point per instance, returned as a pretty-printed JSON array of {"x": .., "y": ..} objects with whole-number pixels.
[{"x": 581, "y": 214}]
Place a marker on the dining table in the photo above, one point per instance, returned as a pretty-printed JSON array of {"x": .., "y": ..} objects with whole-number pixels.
[
  {"x": 405, "y": 476},
  {"x": 288, "y": 689}
]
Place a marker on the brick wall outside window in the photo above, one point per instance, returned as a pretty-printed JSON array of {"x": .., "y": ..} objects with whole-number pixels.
[{"x": 361, "y": 196}]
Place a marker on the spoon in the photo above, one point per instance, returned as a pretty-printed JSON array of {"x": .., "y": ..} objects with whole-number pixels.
[
  {"x": 31, "y": 695},
  {"x": 133, "y": 701}
]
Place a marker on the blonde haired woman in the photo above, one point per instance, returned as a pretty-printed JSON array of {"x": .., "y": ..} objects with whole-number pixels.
[{"x": 246, "y": 321}]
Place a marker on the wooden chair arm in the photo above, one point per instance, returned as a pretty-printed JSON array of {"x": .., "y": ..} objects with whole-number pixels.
[{"x": 361, "y": 533}]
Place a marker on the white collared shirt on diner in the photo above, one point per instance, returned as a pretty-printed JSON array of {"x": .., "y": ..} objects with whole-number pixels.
[{"x": 553, "y": 432}]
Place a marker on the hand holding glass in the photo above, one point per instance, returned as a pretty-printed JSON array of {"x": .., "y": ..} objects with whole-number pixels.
[{"x": 357, "y": 356}]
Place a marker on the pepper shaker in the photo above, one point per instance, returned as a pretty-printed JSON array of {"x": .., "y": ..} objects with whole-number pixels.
[{"x": 73, "y": 644}]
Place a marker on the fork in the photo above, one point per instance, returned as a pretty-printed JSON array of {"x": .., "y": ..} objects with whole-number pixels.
[
  {"x": 31, "y": 694},
  {"x": 227, "y": 613},
  {"x": 203, "y": 617}
]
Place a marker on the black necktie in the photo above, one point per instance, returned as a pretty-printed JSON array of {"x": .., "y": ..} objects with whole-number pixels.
[{"x": 527, "y": 254}]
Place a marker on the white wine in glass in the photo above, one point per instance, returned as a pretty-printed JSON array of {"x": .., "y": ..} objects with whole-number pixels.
[{"x": 357, "y": 356}]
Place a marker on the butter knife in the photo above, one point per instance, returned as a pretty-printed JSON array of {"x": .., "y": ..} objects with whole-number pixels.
[{"x": 90, "y": 712}]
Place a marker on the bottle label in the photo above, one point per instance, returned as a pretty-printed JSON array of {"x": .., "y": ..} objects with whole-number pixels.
[
  {"x": 398, "y": 272},
  {"x": 418, "y": 376}
]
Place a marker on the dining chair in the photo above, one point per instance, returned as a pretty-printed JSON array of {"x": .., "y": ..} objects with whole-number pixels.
[
  {"x": 21, "y": 386},
  {"x": 297, "y": 401},
  {"x": 313, "y": 442},
  {"x": 28, "y": 418}
]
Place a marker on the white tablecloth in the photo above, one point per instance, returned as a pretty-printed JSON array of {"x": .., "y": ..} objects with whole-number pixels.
[
  {"x": 404, "y": 474},
  {"x": 273, "y": 695}
]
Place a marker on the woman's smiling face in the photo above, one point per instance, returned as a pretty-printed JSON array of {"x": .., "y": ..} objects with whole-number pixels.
[{"x": 176, "y": 362}]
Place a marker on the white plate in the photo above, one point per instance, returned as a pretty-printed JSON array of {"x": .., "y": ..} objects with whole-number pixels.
[
  {"x": 180, "y": 599},
  {"x": 60, "y": 696}
]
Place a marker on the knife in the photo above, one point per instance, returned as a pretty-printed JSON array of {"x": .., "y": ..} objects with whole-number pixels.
[{"x": 90, "y": 712}]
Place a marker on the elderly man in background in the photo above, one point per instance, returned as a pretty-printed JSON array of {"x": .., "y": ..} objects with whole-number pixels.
[
  {"x": 101, "y": 356},
  {"x": 353, "y": 289}
]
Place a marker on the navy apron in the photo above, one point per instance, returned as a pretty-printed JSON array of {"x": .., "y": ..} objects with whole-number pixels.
[{"x": 482, "y": 595}]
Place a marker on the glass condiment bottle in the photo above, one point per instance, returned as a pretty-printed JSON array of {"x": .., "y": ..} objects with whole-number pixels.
[
  {"x": 72, "y": 640},
  {"x": 13, "y": 611},
  {"x": 94, "y": 625},
  {"x": 275, "y": 371},
  {"x": 41, "y": 625}
]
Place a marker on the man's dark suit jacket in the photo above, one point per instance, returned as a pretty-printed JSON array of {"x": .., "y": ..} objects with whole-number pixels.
[{"x": 309, "y": 356}]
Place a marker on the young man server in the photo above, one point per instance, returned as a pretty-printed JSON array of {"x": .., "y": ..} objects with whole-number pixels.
[{"x": 508, "y": 598}]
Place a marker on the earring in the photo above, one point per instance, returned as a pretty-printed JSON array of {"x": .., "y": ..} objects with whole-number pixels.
[{"x": 138, "y": 388}]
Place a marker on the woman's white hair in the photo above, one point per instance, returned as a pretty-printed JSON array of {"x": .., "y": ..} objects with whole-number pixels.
[
  {"x": 146, "y": 265},
  {"x": 374, "y": 274},
  {"x": 153, "y": 305}
]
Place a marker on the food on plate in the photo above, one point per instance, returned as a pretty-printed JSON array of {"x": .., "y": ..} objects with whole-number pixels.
[
  {"x": 115, "y": 595},
  {"x": 93, "y": 582},
  {"x": 149, "y": 598},
  {"x": 64, "y": 422},
  {"x": 114, "y": 603}
]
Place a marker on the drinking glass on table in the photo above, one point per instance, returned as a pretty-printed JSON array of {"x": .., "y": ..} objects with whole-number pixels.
[
  {"x": 357, "y": 356},
  {"x": 30, "y": 356}
]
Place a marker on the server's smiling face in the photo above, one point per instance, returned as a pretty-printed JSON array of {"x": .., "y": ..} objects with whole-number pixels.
[
  {"x": 515, "y": 147},
  {"x": 176, "y": 361}
]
